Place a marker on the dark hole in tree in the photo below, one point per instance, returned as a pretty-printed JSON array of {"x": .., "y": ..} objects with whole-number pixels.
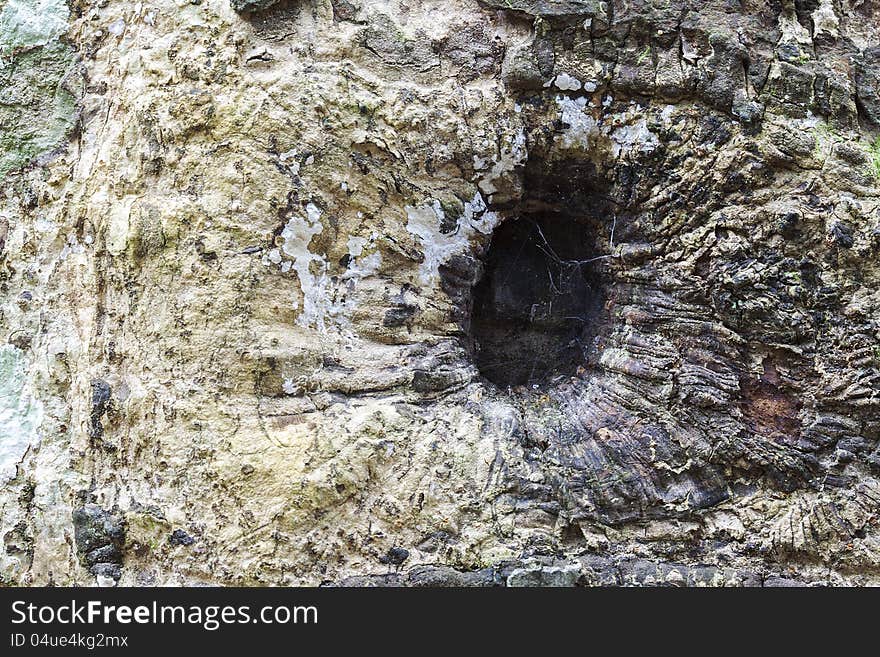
[{"x": 536, "y": 306}]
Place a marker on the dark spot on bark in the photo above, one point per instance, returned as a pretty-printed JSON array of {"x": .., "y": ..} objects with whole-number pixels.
[
  {"x": 436, "y": 380},
  {"x": 841, "y": 235},
  {"x": 343, "y": 10},
  {"x": 180, "y": 537},
  {"x": 99, "y": 535},
  {"x": 400, "y": 315},
  {"x": 395, "y": 556},
  {"x": 101, "y": 400}
]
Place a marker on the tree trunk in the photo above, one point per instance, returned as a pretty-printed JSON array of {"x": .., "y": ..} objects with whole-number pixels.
[{"x": 443, "y": 292}]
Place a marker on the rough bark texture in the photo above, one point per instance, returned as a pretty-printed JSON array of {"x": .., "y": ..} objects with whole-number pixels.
[{"x": 256, "y": 329}]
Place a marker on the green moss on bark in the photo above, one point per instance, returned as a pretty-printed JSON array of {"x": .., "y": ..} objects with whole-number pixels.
[{"x": 37, "y": 74}]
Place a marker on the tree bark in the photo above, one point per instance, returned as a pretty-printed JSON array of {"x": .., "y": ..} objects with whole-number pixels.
[{"x": 440, "y": 293}]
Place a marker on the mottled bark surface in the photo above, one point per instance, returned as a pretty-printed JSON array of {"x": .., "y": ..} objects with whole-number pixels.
[{"x": 440, "y": 292}]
